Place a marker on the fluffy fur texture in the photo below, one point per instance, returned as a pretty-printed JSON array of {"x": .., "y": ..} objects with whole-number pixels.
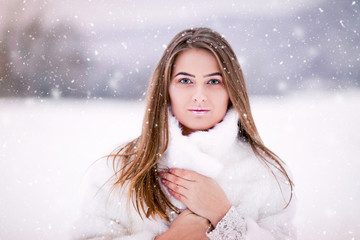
[
  {"x": 201, "y": 151},
  {"x": 218, "y": 153}
]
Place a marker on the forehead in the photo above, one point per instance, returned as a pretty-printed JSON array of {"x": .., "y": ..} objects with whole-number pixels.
[{"x": 196, "y": 60}]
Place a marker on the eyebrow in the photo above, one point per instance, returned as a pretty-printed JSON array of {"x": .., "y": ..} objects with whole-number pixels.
[
  {"x": 191, "y": 75},
  {"x": 184, "y": 73},
  {"x": 213, "y": 74}
]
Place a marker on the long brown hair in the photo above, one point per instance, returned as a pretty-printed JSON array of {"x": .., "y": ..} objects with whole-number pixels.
[{"x": 135, "y": 163}]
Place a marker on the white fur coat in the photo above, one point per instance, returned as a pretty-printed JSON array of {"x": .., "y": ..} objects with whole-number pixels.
[{"x": 217, "y": 153}]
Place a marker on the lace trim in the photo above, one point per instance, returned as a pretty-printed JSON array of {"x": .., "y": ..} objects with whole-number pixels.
[{"x": 230, "y": 227}]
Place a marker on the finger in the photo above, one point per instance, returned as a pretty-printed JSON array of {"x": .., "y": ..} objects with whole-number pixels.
[
  {"x": 178, "y": 196},
  {"x": 185, "y": 174},
  {"x": 174, "y": 187},
  {"x": 175, "y": 179}
]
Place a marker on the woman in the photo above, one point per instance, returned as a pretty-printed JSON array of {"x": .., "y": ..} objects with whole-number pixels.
[{"x": 199, "y": 169}]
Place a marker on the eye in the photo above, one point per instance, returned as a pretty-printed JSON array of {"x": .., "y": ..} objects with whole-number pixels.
[
  {"x": 214, "y": 81},
  {"x": 185, "y": 81}
]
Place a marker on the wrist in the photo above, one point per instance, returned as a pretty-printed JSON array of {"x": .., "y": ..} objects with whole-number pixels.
[{"x": 219, "y": 215}]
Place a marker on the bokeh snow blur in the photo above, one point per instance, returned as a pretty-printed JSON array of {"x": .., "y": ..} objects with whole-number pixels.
[
  {"x": 73, "y": 76},
  {"x": 98, "y": 48}
]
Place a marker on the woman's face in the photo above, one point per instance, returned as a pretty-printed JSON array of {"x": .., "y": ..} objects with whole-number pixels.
[{"x": 198, "y": 96}]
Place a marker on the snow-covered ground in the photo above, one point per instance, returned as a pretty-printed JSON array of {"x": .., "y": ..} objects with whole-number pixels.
[{"x": 46, "y": 146}]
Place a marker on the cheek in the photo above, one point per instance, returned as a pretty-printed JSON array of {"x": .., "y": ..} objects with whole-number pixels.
[
  {"x": 174, "y": 100},
  {"x": 177, "y": 96},
  {"x": 221, "y": 99}
]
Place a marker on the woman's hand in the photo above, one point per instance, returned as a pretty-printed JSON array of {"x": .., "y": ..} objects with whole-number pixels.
[
  {"x": 201, "y": 194},
  {"x": 187, "y": 226}
]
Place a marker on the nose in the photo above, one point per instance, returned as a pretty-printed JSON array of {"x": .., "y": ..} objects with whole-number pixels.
[{"x": 199, "y": 95}]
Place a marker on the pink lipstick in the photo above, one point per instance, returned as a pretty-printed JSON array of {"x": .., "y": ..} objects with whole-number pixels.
[{"x": 199, "y": 111}]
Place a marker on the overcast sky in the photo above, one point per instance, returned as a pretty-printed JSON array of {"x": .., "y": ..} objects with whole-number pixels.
[
  {"x": 300, "y": 43},
  {"x": 142, "y": 13}
]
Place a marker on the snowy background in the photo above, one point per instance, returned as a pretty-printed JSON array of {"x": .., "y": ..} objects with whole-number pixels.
[
  {"x": 72, "y": 82},
  {"x": 46, "y": 146}
]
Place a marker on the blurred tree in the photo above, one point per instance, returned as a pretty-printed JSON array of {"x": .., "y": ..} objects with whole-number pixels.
[{"x": 40, "y": 60}]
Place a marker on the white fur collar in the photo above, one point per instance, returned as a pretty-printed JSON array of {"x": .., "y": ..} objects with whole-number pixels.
[{"x": 200, "y": 151}]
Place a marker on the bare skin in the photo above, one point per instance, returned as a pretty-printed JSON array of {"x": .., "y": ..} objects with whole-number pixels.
[
  {"x": 187, "y": 226},
  {"x": 197, "y": 92}
]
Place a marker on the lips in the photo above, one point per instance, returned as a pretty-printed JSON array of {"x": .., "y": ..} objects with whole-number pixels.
[{"x": 199, "y": 111}]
